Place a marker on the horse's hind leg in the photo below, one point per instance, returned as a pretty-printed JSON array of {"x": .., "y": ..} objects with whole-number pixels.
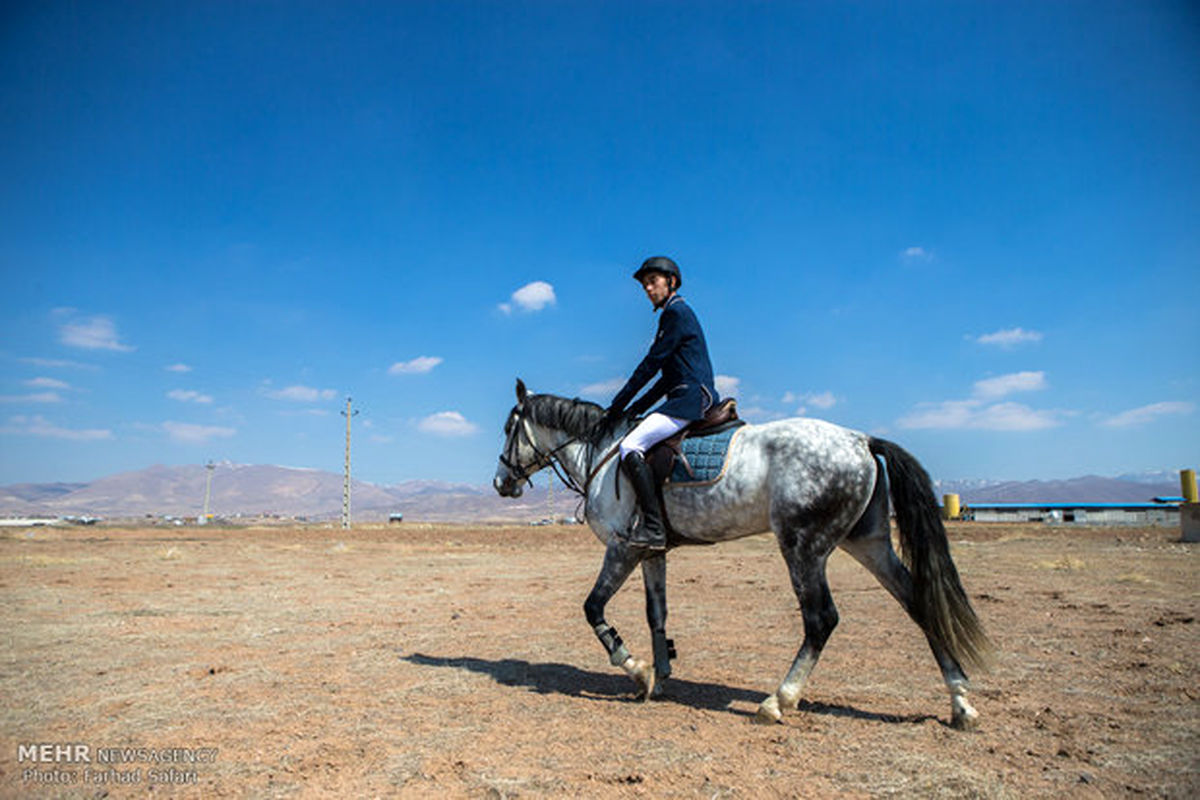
[
  {"x": 870, "y": 543},
  {"x": 820, "y": 618}
]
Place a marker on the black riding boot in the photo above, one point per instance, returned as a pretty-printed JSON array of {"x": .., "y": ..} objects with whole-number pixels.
[{"x": 651, "y": 533}]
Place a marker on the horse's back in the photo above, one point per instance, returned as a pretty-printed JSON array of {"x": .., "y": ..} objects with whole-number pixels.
[
  {"x": 813, "y": 444},
  {"x": 787, "y": 467}
]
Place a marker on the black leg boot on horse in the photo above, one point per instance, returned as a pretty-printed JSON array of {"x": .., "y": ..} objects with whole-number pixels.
[{"x": 651, "y": 533}]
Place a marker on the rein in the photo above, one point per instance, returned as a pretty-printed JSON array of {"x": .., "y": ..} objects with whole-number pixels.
[
  {"x": 603, "y": 461},
  {"x": 548, "y": 458}
]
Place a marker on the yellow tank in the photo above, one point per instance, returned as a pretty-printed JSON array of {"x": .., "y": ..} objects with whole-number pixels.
[
  {"x": 950, "y": 506},
  {"x": 1187, "y": 483}
]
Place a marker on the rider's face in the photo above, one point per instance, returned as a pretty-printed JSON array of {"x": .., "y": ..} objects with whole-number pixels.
[{"x": 657, "y": 286}]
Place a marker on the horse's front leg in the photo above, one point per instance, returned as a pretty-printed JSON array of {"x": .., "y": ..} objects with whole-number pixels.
[
  {"x": 654, "y": 576},
  {"x": 619, "y": 561}
]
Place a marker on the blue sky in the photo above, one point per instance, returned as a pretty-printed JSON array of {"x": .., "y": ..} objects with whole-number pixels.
[{"x": 968, "y": 227}]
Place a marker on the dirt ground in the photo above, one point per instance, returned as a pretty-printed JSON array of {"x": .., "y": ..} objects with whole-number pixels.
[{"x": 424, "y": 660}]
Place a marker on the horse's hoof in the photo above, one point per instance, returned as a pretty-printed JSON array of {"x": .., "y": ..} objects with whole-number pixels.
[
  {"x": 965, "y": 720},
  {"x": 643, "y": 674},
  {"x": 768, "y": 712},
  {"x": 649, "y": 687}
]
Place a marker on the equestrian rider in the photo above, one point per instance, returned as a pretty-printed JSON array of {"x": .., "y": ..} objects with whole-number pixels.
[{"x": 681, "y": 354}]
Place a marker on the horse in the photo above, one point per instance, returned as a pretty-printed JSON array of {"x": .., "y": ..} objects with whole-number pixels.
[{"x": 816, "y": 485}]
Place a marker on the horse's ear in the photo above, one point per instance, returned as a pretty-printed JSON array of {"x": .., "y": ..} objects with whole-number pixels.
[{"x": 521, "y": 392}]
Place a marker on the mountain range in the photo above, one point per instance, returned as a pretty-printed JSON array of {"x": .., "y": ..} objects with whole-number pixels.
[
  {"x": 258, "y": 490},
  {"x": 264, "y": 490}
]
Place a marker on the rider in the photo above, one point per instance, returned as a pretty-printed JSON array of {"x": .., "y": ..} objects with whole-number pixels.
[{"x": 680, "y": 352}]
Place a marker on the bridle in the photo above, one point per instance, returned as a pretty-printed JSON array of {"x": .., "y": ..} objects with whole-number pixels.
[{"x": 543, "y": 458}]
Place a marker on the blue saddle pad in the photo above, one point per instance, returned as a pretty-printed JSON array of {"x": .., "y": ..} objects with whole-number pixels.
[{"x": 706, "y": 455}]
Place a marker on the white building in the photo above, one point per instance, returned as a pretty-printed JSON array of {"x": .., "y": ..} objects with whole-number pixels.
[{"x": 1164, "y": 512}]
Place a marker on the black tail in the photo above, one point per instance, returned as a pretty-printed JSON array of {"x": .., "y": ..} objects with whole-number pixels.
[{"x": 940, "y": 604}]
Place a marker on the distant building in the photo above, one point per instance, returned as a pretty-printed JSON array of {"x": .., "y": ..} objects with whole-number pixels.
[
  {"x": 1160, "y": 513},
  {"x": 395, "y": 518}
]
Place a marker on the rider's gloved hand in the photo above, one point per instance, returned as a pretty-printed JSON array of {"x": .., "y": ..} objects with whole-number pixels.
[{"x": 612, "y": 415}]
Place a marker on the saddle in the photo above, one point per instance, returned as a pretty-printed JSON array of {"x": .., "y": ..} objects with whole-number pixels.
[{"x": 662, "y": 456}]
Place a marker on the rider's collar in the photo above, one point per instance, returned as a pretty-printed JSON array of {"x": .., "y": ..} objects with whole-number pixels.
[{"x": 671, "y": 298}]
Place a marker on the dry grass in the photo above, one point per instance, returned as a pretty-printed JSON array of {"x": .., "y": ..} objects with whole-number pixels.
[{"x": 419, "y": 660}]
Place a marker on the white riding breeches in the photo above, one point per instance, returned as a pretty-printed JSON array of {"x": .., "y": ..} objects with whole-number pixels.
[{"x": 650, "y": 431}]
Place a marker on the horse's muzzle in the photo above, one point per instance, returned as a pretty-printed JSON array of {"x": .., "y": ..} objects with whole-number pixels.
[{"x": 507, "y": 487}]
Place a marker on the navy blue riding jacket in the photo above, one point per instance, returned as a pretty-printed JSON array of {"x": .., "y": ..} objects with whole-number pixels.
[{"x": 680, "y": 352}]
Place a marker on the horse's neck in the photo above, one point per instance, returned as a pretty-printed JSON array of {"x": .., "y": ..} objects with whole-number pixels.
[
  {"x": 576, "y": 457},
  {"x": 581, "y": 460}
]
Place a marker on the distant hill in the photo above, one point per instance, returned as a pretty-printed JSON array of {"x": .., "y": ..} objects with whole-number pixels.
[
  {"x": 23, "y": 499},
  {"x": 263, "y": 489},
  {"x": 288, "y": 491},
  {"x": 1088, "y": 489}
]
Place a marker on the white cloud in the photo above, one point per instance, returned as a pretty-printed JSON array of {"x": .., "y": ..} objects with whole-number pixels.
[
  {"x": 188, "y": 433},
  {"x": 57, "y": 362},
  {"x": 915, "y": 254},
  {"x": 447, "y": 423},
  {"x": 822, "y": 400},
  {"x": 982, "y": 411},
  {"x": 1009, "y": 337},
  {"x": 189, "y": 396},
  {"x": 37, "y": 397},
  {"x": 1011, "y": 416},
  {"x": 302, "y": 394},
  {"x": 47, "y": 383},
  {"x": 178, "y": 368},
  {"x": 1002, "y": 385},
  {"x": 726, "y": 385},
  {"x": 418, "y": 366},
  {"x": 947, "y": 414},
  {"x": 758, "y": 414},
  {"x": 40, "y": 426},
  {"x": 975, "y": 414},
  {"x": 1146, "y": 414},
  {"x": 91, "y": 333},
  {"x": 306, "y": 412},
  {"x": 530, "y": 297},
  {"x": 604, "y": 389}
]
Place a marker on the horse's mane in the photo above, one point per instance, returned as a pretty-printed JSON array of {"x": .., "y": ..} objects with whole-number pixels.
[{"x": 577, "y": 417}]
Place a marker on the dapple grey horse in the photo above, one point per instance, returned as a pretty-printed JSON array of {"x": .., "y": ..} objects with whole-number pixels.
[{"x": 816, "y": 485}]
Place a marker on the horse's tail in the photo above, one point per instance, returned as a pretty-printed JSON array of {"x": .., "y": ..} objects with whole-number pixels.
[{"x": 940, "y": 604}]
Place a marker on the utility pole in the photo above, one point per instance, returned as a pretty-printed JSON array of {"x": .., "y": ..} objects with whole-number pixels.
[
  {"x": 210, "y": 466},
  {"x": 348, "y": 414}
]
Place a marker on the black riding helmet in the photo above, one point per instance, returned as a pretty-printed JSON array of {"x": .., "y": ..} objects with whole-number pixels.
[{"x": 659, "y": 264}]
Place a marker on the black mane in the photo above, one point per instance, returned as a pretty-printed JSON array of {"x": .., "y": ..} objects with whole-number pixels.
[{"x": 576, "y": 417}]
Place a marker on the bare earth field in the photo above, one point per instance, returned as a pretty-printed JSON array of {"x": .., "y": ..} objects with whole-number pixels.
[{"x": 451, "y": 661}]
